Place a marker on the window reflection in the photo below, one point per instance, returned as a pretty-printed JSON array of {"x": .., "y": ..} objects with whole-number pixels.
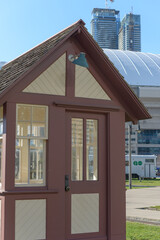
[
  {"x": 31, "y": 121},
  {"x": 91, "y": 149},
  {"x": 84, "y": 141},
  {"x": 36, "y": 162},
  {"x": 17, "y": 163},
  {"x": 30, "y": 154},
  {"x": 77, "y": 149}
]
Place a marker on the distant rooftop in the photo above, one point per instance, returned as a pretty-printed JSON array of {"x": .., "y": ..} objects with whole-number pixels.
[
  {"x": 137, "y": 68},
  {"x": 104, "y": 10}
]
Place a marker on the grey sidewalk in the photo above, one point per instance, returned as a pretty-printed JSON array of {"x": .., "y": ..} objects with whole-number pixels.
[{"x": 137, "y": 199}]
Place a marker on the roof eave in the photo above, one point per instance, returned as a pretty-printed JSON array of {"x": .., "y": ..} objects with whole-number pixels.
[
  {"x": 116, "y": 82},
  {"x": 133, "y": 114},
  {"x": 4, "y": 94}
]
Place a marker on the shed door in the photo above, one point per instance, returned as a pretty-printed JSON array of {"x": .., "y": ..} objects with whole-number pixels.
[{"x": 86, "y": 176}]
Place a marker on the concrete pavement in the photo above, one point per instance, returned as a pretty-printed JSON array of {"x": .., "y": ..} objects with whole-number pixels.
[{"x": 137, "y": 199}]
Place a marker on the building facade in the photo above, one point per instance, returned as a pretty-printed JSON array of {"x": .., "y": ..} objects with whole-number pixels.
[
  {"x": 142, "y": 72},
  {"x": 105, "y": 25},
  {"x": 60, "y": 123},
  {"x": 130, "y": 33}
]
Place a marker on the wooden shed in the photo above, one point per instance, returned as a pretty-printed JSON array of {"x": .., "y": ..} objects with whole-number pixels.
[{"x": 62, "y": 142}]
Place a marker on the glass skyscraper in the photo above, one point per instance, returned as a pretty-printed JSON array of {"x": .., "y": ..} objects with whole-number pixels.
[
  {"x": 130, "y": 33},
  {"x": 105, "y": 26}
]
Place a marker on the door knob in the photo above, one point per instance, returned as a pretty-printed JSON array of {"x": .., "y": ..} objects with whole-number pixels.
[{"x": 67, "y": 187}]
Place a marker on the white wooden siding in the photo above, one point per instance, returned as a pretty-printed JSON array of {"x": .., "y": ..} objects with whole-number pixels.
[
  {"x": 30, "y": 219},
  {"x": 87, "y": 86},
  {"x": 52, "y": 81},
  {"x": 85, "y": 213}
]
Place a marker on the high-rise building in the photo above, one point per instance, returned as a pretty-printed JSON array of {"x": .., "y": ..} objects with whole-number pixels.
[
  {"x": 130, "y": 33},
  {"x": 105, "y": 26}
]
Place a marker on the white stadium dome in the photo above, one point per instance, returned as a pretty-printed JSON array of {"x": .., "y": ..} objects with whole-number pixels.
[{"x": 137, "y": 68}]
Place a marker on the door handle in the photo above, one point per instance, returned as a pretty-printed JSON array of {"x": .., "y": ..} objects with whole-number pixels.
[{"x": 67, "y": 187}]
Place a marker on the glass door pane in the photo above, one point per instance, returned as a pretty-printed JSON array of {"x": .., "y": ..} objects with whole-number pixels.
[
  {"x": 77, "y": 149},
  {"x": 91, "y": 149}
]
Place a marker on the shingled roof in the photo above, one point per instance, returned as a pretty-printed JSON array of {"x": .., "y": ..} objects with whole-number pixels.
[{"x": 14, "y": 69}]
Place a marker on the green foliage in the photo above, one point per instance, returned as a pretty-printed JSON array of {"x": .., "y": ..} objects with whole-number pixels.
[
  {"x": 139, "y": 231},
  {"x": 155, "y": 208}
]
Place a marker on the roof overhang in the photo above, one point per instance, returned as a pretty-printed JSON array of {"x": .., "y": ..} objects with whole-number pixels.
[{"x": 132, "y": 106}]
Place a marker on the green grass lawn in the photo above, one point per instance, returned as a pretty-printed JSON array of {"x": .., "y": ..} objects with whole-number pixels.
[
  {"x": 139, "y": 231},
  {"x": 145, "y": 182}
]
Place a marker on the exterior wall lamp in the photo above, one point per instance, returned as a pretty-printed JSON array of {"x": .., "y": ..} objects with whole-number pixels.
[{"x": 79, "y": 59}]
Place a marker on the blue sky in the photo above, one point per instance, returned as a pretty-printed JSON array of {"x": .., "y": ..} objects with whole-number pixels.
[{"x": 26, "y": 23}]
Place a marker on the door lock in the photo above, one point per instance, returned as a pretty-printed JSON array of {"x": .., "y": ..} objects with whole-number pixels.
[{"x": 67, "y": 187}]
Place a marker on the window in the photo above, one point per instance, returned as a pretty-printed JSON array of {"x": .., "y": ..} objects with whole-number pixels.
[
  {"x": 149, "y": 160},
  {"x": 87, "y": 128},
  {"x": 149, "y": 136},
  {"x": 77, "y": 149},
  {"x": 91, "y": 149},
  {"x": 31, "y": 136},
  {"x": 148, "y": 150}
]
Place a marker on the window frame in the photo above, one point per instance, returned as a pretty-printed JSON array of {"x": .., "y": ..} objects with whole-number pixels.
[
  {"x": 1, "y": 139},
  {"x": 29, "y": 138},
  {"x": 85, "y": 153}
]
